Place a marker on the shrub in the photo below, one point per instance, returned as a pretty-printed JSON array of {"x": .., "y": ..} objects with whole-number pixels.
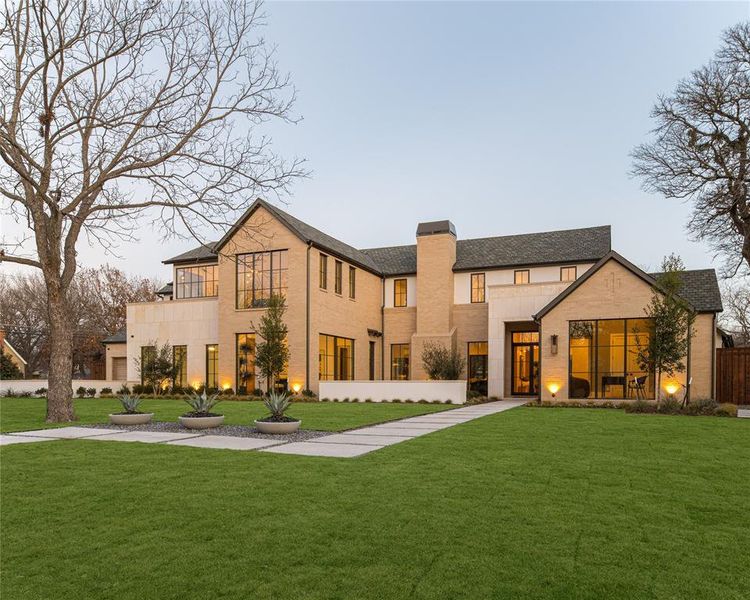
[
  {"x": 669, "y": 406},
  {"x": 24, "y": 394},
  {"x": 726, "y": 410},
  {"x": 258, "y": 392},
  {"x": 41, "y": 392},
  {"x": 396, "y": 400},
  {"x": 124, "y": 389},
  {"x": 91, "y": 392},
  {"x": 368, "y": 399},
  {"x": 105, "y": 390},
  {"x": 10, "y": 393},
  {"x": 703, "y": 406},
  {"x": 130, "y": 403},
  {"x": 277, "y": 404},
  {"x": 228, "y": 392},
  {"x": 308, "y": 394},
  {"x": 441, "y": 363},
  {"x": 422, "y": 401},
  {"x": 640, "y": 406},
  {"x": 325, "y": 400},
  {"x": 81, "y": 391},
  {"x": 201, "y": 403},
  {"x": 471, "y": 394}
]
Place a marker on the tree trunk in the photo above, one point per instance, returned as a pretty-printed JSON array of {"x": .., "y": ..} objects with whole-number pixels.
[{"x": 60, "y": 386}]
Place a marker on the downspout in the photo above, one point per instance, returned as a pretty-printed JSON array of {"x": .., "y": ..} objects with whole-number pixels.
[
  {"x": 713, "y": 357},
  {"x": 382, "y": 330},
  {"x": 689, "y": 364},
  {"x": 307, "y": 321}
]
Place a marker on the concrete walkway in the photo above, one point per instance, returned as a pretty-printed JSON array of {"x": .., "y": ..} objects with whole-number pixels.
[{"x": 346, "y": 444}]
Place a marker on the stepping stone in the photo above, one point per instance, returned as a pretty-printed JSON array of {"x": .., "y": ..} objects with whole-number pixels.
[
  {"x": 367, "y": 440},
  {"x": 744, "y": 413},
  {"x": 6, "y": 440},
  {"x": 225, "y": 442},
  {"x": 317, "y": 449},
  {"x": 148, "y": 437},
  {"x": 404, "y": 432},
  {"x": 431, "y": 425},
  {"x": 67, "y": 433}
]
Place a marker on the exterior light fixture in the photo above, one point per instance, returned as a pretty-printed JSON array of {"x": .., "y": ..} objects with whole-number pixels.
[
  {"x": 553, "y": 388},
  {"x": 671, "y": 388},
  {"x": 296, "y": 387},
  {"x": 553, "y": 343}
]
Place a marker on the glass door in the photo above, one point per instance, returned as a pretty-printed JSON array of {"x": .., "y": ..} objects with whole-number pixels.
[{"x": 525, "y": 363}]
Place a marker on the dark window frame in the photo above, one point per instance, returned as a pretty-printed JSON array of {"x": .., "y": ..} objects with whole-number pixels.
[
  {"x": 338, "y": 277},
  {"x": 405, "y": 294},
  {"x": 279, "y": 275},
  {"x": 482, "y": 382},
  {"x": 517, "y": 272},
  {"x": 575, "y": 273},
  {"x": 473, "y": 288},
  {"x": 322, "y": 376},
  {"x": 239, "y": 387},
  {"x": 396, "y": 368},
  {"x": 183, "y": 376},
  {"x": 371, "y": 360},
  {"x": 208, "y": 287},
  {"x": 212, "y": 359},
  {"x": 323, "y": 272},
  {"x": 352, "y": 283}
]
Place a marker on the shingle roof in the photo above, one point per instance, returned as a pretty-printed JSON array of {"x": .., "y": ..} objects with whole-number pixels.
[
  {"x": 165, "y": 290},
  {"x": 701, "y": 289},
  {"x": 117, "y": 338},
  {"x": 199, "y": 254},
  {"x": 550, "y": 247}
]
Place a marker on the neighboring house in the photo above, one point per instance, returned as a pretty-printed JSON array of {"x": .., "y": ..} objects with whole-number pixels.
[
  {"x": 532, "y": 314},
  {"x": 15, "y": 357},
  {"x": 116, "y": 356}
]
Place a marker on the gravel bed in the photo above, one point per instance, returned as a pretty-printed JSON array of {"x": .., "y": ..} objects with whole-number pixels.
[{"x": 229, "y": 430}]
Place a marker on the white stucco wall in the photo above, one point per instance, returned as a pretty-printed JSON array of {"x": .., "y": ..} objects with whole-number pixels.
[
  {"x": 511, "y": 303},
  {"x": 386, "y": 391},
  {"x": 547, "y": 274},
  {"x": 411, "y": 290},
  {"x": 31, "y": 385},
  {"x": 193, "y": 323}
]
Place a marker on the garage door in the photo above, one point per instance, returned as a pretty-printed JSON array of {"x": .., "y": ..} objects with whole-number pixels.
[{"x": 120, "y": 368}]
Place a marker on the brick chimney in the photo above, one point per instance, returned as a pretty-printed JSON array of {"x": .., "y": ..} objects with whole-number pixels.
[{"x": 436, "y": 255}]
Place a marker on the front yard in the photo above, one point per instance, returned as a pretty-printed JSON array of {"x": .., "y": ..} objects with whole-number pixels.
[{"x": 553, "y": 503}]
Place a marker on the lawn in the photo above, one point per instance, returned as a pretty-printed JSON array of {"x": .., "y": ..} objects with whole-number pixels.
[
  {"x": 529, "y": 503},
  {"x": 23, "y": 414}
]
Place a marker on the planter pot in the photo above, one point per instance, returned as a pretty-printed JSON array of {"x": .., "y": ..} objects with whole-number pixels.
[
  {"x": 201, "y": 422},
  {"x": 277, "y": 427},
  {"x": 131, "y": 419}
]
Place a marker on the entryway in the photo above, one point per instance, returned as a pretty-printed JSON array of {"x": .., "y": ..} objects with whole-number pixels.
[{"x": 525, "y": 363}]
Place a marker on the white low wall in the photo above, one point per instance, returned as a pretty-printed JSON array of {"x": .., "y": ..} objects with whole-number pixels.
[
  {"x": 386, "y": 391},
  {"x": 31, "y": 385}
]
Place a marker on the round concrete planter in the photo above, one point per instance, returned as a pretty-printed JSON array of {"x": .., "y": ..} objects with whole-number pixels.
[
  {"x": 201, "y": 422},
  {"x": 277, "y": 427},
  {"x": 131, "y": 419}
]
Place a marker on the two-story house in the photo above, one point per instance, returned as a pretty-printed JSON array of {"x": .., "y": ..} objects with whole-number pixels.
[{"x": 555, "y": 314}]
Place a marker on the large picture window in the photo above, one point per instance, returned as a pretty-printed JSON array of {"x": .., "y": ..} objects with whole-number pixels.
[
  {"x": 197, "y": 282},
  {"x": 603, "y": 360},
  {"x": 245, "y": 363},
  {"x": 477, "y": 367},
  {"x": 335, "y": 358},
  {"x": 399, "y": 293},
  {"x": 400, "y": 361},
  {"x": 259, "y": 275},
  {"x": 212, "y": 366}
]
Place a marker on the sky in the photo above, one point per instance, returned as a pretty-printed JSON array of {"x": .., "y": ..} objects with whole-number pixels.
[{"x": 503, "y": 117}]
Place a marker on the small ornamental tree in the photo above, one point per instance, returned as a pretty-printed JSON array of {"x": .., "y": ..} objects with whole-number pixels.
[
  {"x": 8, "y": 369},
  {"x": 158, "y": 369},
  {"x": 442, "y": 363},
  {"x": 671, "y": 324},
  {"x": 272, "y": 353}
]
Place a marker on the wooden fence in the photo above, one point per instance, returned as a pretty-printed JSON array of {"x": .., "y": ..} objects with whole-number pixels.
[{"x": 733, "y": 375}]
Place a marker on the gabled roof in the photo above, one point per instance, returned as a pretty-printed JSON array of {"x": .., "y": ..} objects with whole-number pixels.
[
  {"x": 307, "y": 234},
  {"x": 697, "y": 289},
  {"x": 119, "y": 337},
  {"x": 588, "y": 244},
  {"x": 165, "y": 290},
  {"x": 200, "y": 254},
  {"x": 15, "y": 352}
]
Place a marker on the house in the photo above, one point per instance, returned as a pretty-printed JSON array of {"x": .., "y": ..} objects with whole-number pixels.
[
  {"x": 553, "y": 315},
  {"x": 10, "y": 351}
]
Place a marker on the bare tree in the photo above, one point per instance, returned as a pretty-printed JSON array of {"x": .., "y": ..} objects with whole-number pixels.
[
  {"x": 700, "y": 150},
  {"x": 117, "y": 109},
  {"x": 736, "y": 316}
]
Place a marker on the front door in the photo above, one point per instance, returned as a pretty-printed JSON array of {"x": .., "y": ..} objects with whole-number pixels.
[{"x": 525, "y": 365}]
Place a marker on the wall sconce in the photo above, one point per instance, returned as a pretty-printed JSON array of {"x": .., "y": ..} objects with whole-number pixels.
[
  {"x": 296, "y": 387},
  {"x": 553, "y": 388},
  {"x": 671, "y": 388},
  {"x": 553, "y": 343}
]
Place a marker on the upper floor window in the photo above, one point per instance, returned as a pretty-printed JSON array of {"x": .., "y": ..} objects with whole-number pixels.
[
  {"x": 335, "y": 358},
  {"x": 399, "y": 293},
  {"x": 521, "y": 276},
  {"x": 352, "y": 282},
  {"x": 568, "y": 273},
  {"x": 260, "y": 274},
  {"x": 477, "y": 287},
  {"x": 338, "y": 277},
  {"x": 197, "y": 282},
  {"x": 323, "y": 278}
]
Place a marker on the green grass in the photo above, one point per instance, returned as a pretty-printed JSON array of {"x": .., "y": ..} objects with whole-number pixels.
[
  {"x": 530, "y": 503},
  {"x": 23, "y": 414}
]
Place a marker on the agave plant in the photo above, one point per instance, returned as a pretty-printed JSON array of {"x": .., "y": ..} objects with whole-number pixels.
[
  {"x": 130, "y": 403},
  {"x": 202, "y": 403},
  {"x": 277, "y": 403}
]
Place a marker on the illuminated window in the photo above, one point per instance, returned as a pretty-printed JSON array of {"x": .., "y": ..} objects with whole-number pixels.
[
  {"x": 212, "y": 366},
  {"x": 335, "y": 358},
  {"x": 245, "y": 363},
  {"x": 477, "y": 287},
  {"x": 179, "y": 361},
  {"x": 568, "y": 273},
  {"x": 399, "y": 361},
  {"x": 477, "y": 367},
  {"x": 399, "y": 293},
  {"x": 259, "y": 275},
  {"x": 521, "y": 276},
  {"x": 197, "y": 282}
]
